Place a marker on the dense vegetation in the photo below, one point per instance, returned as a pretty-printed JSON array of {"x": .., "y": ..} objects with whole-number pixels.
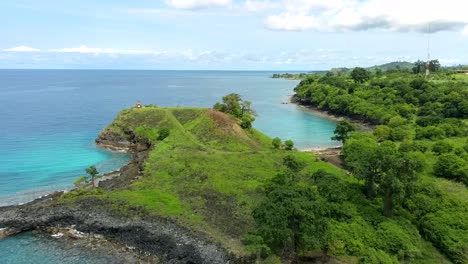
[
  {"x": 414, "y": 164},
  {"x": 405, "y": 199},
  {"x": 207, "y": 172},
  {"x": 257, "y": 195}
]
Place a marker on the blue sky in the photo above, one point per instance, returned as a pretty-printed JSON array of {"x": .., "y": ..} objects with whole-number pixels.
[{"x": 229, "y": 34}]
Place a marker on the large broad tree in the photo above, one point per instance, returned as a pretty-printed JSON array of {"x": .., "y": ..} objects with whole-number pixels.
[
  {"x": 234, "y": 105},
  {"x": 382, "y": 165},
  {"x": 399, "y": 173},
  {"x": 290, "y": 218},
  {"x": 360, "y": 75},
  {"x": 343, "y": 130},
  {"x": 361, "y": 156}
]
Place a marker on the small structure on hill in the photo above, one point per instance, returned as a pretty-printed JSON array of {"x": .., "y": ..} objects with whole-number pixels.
[{"x": 138, "y": 105}]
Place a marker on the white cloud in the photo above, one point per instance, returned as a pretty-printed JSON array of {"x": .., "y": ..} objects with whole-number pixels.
[
  {"x": 86, "y": 49},
  {"x": 291, "y": 22},
  {"x": 257, "y": 6},
  {"x": 22, "y": 49},
  {"x": 194, "y": 4},
  {"x": 465, "y": 31},
  {"x": 353, "y": 15}
]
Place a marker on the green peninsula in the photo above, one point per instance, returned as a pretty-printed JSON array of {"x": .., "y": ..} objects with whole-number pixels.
[
  {"x": 253, "y": 195},
  {"x": 204, "y": 186}
]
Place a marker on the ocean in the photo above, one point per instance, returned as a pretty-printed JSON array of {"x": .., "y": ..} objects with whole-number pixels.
[{"x": 50, "y": 118}]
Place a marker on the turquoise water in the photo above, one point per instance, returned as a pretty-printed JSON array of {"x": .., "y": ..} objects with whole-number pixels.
[
  {"x": 38, "y": 249},
  {"x": 50, "y": 118}
]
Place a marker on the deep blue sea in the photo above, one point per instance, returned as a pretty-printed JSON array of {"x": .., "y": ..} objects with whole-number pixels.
[{"x": 50, "y": 118}]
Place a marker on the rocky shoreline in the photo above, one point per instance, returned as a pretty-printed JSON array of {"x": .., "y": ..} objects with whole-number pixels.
[
  {"x": 143, "y": 238},
  {"x": 366, "y": 126}
]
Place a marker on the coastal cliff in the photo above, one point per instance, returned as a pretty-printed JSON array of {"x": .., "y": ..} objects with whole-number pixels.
[
  {"x": 167, "y": 241},
  {"x": 156, "y": 239}
]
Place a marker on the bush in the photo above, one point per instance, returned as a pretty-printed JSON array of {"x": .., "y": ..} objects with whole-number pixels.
[
  {"x": 430, "y": 132},
  {"x": 397, "y": 241},
  {"x": 400, "y": 133},
  {"x": 447, "y": 230},
  {"x": 276, "y": 142},
  {"x": 288, "y": 144},
  {"x": 382, "y": 132},
  {"x": 459, "y": 152},
  {"x": 450, "y": 166},
  {"x": 441, "y": 147},
  {"x": 408, "y": 146},
  {"x": 246, "y": 121},
  {"x": 80, "y": 181},
  {"x": 397, "y": 121},
  {"x": 360, "y": 75}
]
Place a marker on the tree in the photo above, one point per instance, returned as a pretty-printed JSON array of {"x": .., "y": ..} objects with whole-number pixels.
[
  {"x": 230, "y": 105},
  {"x": 247, "y": 120},
  {"x": 342, "y": 130},
  {"x": 276, "y": 142},
  {"x": 288, "y": 144},
  {"x": 234, "y": 105},
  {"x": 398, "y": 174},
  {"x": 434, "y": 65},
  {"x": 360, "y": 155},
  {"x": 419, "y": 67},
  {"x": 382, "y": 132},
  {"x": 360, "y": 75},
  {"x": 382, "y": 165},
  {"x": 92, "y": 173},
  {"x": 292, "y": 216}
]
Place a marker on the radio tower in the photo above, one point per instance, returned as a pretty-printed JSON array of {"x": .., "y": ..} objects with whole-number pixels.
[{"x": 428, "y": 50}]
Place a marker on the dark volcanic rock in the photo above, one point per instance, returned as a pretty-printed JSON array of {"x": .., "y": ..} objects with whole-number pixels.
[
  {"x": 152, "y": 235},
  {"x": 138, "y": 148}
]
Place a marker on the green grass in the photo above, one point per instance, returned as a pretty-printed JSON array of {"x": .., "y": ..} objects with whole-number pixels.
[{"x": 210, "y": 174}]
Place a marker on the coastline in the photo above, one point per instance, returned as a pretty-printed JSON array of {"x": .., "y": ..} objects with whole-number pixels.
[
  {"x": 94, "y": 224},
  {"x": 40, "y": 194},
  {"x": 90, "y": 220},
  {"x": 326, "y": 114}
]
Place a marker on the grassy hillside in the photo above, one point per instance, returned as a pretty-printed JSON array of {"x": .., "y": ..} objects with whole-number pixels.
[
  {"x": 211, "y": 175},
  {"x": 402, "y": 65}
]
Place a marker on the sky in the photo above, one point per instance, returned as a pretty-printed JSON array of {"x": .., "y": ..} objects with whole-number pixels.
[{"x": 229, "y": 34}]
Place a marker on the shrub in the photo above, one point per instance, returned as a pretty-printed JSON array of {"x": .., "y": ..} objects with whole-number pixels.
[
  {"x": 450, "y": 166},
  {"x": 400, "y": 133},
  {"x": 397, "y": 121},
  {"x": 382, "y": 132},
  {"x": 80, "y": 181},
  {"x": 276, "y": 142},
  {"x": 441, "y": 147},
  {"x": 429, "y": 132},
  {"x": 288, "y": 144}
]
